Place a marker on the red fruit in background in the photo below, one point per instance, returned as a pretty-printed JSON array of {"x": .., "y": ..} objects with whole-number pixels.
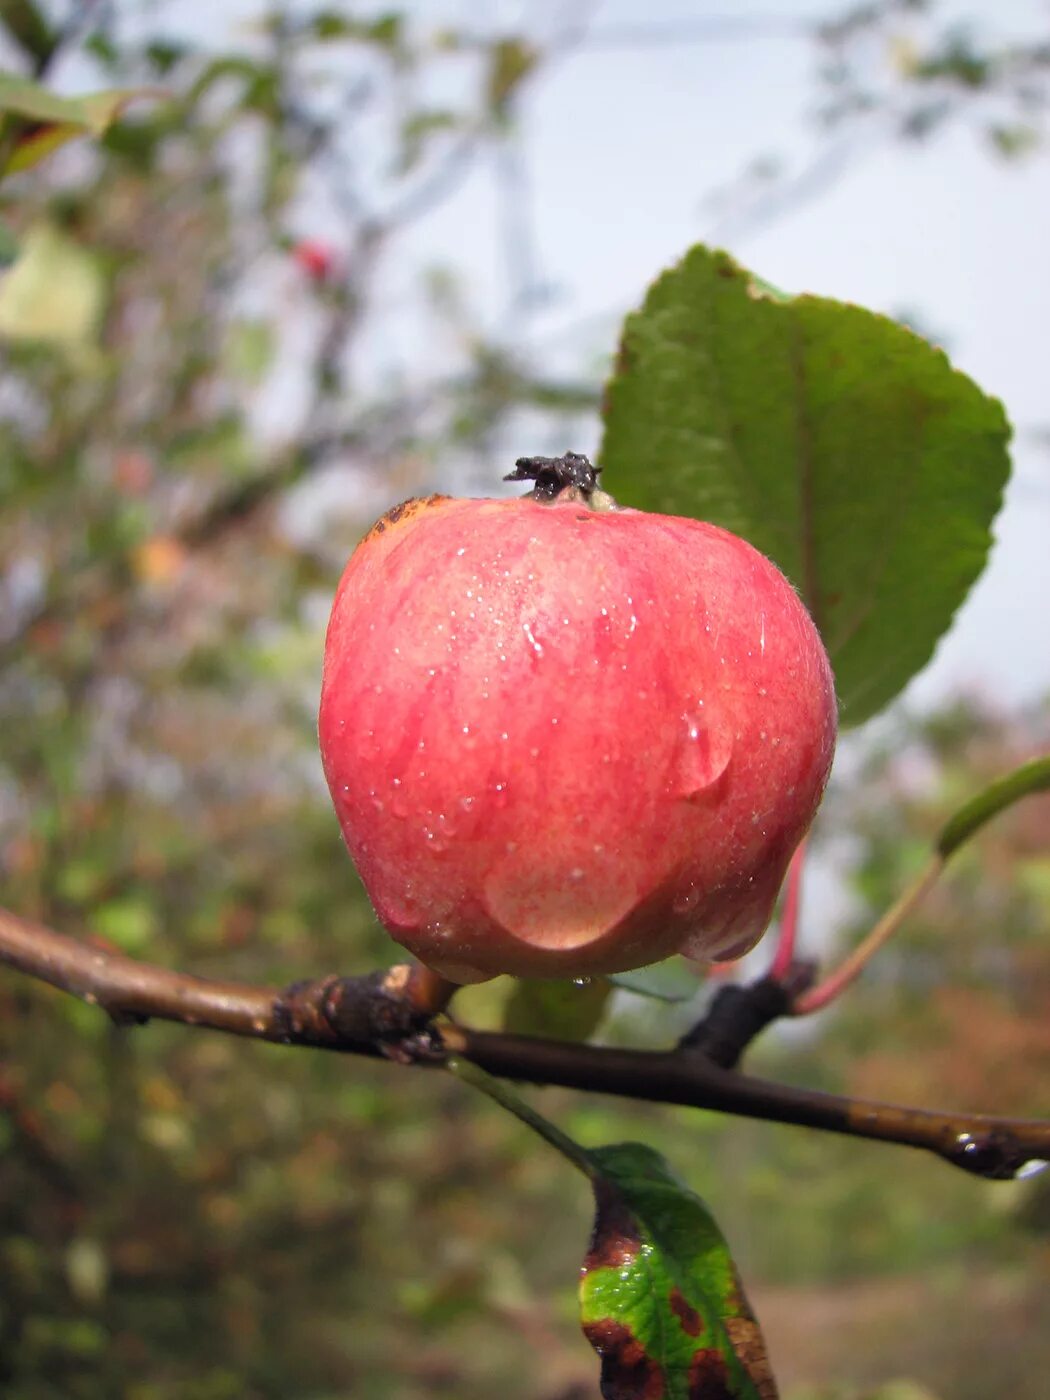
[
  {"x": 564, "y": 740},
  {"x": 316, "y": 259}
]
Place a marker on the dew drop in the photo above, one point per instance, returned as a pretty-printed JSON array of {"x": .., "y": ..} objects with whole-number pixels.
[
  {"x": 399, "y": 803},
  {"x": 435, "y": 840},
  {"x": 536, "y": 646},
  {"x": 687, "y": 901},
  {"x": 702, "y": 754}
]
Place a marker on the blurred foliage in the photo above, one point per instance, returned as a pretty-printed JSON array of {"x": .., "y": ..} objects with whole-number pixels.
[{"x": 186, "y": 1216}]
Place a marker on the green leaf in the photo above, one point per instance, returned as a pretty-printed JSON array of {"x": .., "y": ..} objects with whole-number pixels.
[
  {"x": 386, "y": 30},
  {"x": 46, "y": 121},
  {"x": 53, "y": 293},
  {"x": 835, "y": 440},
  {"x": 660, "y": 1299},
  {"x": 510, "y": 62},
  {"x": 569, "y": 1010},
  {"x": 1022, "y": 782}
]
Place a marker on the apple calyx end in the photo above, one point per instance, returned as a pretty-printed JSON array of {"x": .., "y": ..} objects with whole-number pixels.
[{"x": 568, "y": 478}]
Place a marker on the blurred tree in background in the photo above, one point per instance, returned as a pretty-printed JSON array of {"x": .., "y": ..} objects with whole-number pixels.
[{"x": 191, "y": 439}]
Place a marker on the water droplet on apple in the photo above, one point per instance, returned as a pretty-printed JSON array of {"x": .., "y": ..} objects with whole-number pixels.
[
  {"x": 435, "y": 840},
  {"x": 689, "y": 898},
  {"x": 399, "y": 804},
  {"x": 703, "y": 753}
]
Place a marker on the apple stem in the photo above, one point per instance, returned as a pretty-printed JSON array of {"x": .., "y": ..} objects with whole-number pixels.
[
  {"x": 788, "y": 931},
  {"x": 852, "y": 966}
]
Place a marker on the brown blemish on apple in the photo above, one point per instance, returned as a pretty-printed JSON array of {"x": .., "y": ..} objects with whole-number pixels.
[
  {"x": 628, "y": 1371},
  {"x": 402, "y": 513}
]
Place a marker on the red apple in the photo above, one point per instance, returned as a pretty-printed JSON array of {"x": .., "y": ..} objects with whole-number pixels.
[{"x": 565, "y": 740}]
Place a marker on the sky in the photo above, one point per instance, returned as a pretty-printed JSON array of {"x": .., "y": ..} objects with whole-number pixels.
[{"x": 623, "y": 140}]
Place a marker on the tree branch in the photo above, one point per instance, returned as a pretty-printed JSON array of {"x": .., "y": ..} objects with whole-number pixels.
[{"x": 390, "y": 1014}]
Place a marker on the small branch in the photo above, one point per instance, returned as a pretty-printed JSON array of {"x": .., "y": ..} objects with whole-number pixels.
[
  {"x": 389, "y": 1014},
  {"x": 738, "y": 1014},
  {"x": 851, "y": 967}
]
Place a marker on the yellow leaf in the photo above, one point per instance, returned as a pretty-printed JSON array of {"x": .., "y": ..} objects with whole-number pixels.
[{"x": 53, "y": 292}]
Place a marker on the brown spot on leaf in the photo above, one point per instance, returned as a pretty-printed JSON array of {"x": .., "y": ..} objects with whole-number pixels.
[
  {"x": 750, "y": 1346},
  {"x": 709, "y": 1376},
  {"x": 687, "y": 1315},
  {"x": 628, "y": 1371},
  {"x": 615, "y": 1241}
]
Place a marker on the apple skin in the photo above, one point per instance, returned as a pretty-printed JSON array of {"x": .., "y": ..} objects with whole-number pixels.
[{"x": 564, "y": 741}]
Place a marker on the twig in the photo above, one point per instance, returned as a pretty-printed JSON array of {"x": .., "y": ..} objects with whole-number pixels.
[
  {"x": 852, "y": 966},
  {"x": 389, "y": 1014}
]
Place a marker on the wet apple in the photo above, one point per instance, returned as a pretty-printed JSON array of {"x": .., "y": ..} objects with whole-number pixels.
[{"x": 564, "y": 738}]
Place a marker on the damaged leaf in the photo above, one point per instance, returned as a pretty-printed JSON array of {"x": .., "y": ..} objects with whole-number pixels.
[
  {"x": 39, "y": 121},
  {"x": 661, "y": 1302}
]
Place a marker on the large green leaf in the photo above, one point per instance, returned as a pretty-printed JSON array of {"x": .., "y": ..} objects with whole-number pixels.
[
  {"x": 660, "y": 1299},
  {"x": 835, "y": 440}
]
